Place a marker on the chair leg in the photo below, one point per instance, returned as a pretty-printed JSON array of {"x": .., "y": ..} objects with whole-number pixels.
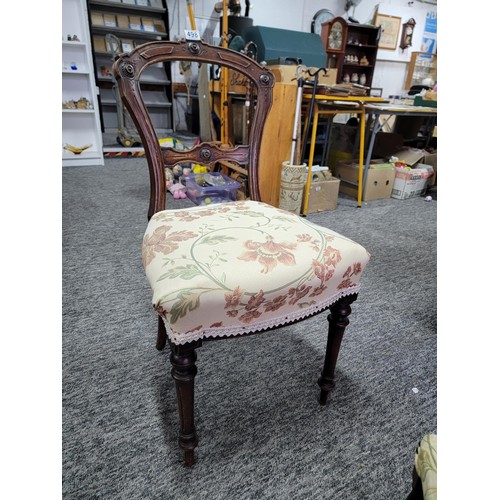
[
  {"x": 183, "y": 359},
  {"x": 337, "y": 323},
  {"x": 161, "y": 339}
]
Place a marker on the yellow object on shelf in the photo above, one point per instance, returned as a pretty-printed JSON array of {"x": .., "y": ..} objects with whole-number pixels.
[{"x": 76, "y": 150}]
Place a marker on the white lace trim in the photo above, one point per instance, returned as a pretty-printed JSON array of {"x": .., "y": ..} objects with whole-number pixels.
[{"x": 233, "y": 331}]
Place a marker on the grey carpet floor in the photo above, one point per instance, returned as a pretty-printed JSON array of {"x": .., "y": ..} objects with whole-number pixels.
[{"x": 262, "y": 432}]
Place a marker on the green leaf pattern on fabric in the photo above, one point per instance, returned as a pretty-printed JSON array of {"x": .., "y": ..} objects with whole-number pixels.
[
  {"x": 184, "y": 272},
  {"x": 187, "y": 301}
]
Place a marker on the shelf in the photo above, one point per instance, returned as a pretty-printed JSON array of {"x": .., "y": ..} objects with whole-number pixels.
[
  {"x": 148, "y": 104},
  {"x": 85, "y": 159},
  {"x": 358, "y": 65},
  {"x": 161, "y": 83},
  {"x": 356, "y": 42},
  {"x": 127, "y": 7},
  {"x": 88, "y": 153},
  {"x": 150, "y": 35},
  {"x": 358, "y": 46},
  {"x": 78, "y": 111},
  {"x": 75, "y": 72},
  {"x": 73, "y": 44},
  {"x": 108, "y": 55}
]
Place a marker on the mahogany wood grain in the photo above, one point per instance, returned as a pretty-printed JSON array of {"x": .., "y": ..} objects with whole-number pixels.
[{"x": 337, "y": 321}]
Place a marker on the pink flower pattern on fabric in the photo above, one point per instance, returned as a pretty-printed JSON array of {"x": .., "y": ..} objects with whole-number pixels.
[
  {"x": 269, "y": 253},
  {"x": 159, "y": 242}
]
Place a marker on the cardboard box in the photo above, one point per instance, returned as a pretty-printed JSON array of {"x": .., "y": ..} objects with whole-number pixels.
[
  {"x": 328, "y": 78},
  {"x": 134, "y": 23},
  {"x": 148, "y": 24},
  {"x": 110, "y": 20},
  {"x": 431, "y": 159},
  {"x": 97, "y": 18},
  {"x": 410, "y": 183},
  {"x": 411, "y": 156},
  {"x": 99, "y": 44},
  {"x": 379, "y": 180},
  {"x": 122, "y": 21},
  {"x": 159, "y": 25},
  {"x": 127, "y": 45},
  {"x": 323, "y": 192}
]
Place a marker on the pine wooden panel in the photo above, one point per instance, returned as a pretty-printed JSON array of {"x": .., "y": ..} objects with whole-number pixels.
[{"x": 277, "y": 141}]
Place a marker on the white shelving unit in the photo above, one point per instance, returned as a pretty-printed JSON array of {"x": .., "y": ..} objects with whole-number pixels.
[{"x": 79, "y": 126}]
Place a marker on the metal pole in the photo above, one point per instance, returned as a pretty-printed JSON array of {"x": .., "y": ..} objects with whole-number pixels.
[
  {"x": 191, "y": 14},
  {"x": 224, "y": 77},
  {"x": 296, "y": 124}
]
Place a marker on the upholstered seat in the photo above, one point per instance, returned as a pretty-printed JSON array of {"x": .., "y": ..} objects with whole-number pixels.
[
  {"x": 244, "y": 266},
  {"x": 233, "y": 268}
]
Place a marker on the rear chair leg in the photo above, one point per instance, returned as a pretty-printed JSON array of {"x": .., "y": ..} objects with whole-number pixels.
[
  {"x": 183, "y": 359},
  {"x": 337, "y": 323}
]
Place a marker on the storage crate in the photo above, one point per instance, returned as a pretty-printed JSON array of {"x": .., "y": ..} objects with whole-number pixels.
[{"x": 209, "y": 188}]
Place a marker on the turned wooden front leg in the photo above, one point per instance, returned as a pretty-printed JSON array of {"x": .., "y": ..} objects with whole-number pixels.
[
  {"x": 337, "y": 323},
  {"x": 183, "y": 359}
]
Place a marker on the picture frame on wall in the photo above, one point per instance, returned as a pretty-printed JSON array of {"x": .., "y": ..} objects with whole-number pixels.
[{"x": 389, "y": 30}]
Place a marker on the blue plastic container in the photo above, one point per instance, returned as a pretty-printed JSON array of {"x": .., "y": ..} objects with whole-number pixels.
[{"x": 210, "y": 187}]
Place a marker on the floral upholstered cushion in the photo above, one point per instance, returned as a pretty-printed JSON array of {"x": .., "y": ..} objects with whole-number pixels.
[{"x": 244, "y": 266}]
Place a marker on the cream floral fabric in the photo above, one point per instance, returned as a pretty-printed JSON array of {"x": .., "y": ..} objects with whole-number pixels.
[{"x": 244, "y": 266}]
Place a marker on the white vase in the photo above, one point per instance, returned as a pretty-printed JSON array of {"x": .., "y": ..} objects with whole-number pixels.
[{"x": 362, "y": 79}]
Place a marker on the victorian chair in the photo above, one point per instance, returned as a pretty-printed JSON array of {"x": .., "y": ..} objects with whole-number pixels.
[{"x": 237, "y": 267}]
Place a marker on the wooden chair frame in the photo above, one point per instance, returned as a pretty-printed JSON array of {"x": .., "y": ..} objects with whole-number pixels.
[{"x": 127, "y": 70}]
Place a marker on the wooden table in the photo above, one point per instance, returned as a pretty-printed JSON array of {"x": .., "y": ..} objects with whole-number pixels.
[
  {"x": 333, "y": 105},
  {"x": 374, "y": 113}
]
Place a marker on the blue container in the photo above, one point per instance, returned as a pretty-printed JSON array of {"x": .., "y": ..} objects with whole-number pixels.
[{"x": 210, "y": 187}]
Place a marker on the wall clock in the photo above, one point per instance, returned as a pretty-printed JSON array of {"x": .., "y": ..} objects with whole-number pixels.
[
  {"x": 407, "y": 33},
  {"x": 322, "y": 16}
]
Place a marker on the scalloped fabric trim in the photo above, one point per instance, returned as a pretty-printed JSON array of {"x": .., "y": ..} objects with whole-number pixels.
[{"x": 180, "y": 339}]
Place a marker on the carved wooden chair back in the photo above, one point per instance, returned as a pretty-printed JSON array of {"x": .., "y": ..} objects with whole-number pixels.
[{"x": 128, "y": 70}]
